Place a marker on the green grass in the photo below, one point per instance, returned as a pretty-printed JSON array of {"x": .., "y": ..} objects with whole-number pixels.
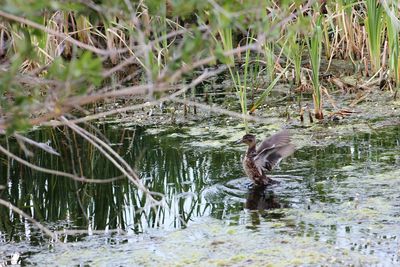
[
  {"x": 315, "y": 49},
  {"x": 374, "y": 26},
  {"x": 393, "y": 39},
  {"x": 227, "y": 43},
  {"x": 267, "y": 91}
]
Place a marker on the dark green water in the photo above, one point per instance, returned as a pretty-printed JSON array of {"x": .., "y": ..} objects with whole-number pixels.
[{"x": 341, "y": 201}]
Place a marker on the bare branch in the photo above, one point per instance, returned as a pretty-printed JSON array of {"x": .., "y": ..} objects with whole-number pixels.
[
  {"x": 29, "y": 218},
  {"x": 220, "y": 110},
  {"x": 40, "y": 145},
  {"x": 60, "y": 35},
  {"x": 112, "y": 156},
  {"x": 204, "y": 76},
  {"x": 55, "y": 172}
]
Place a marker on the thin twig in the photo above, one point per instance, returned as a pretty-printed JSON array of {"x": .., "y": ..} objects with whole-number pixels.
[
  {"x": 29, "y": 218},
  {"x": 205, "y": 75},
  {"x": 40, "y": 145},
  {"x": 220, "y": 110},
  {"x": 55, "y": 172},
  {"x": 60, "y": 35},
  {"x": 112, "y": 156}
]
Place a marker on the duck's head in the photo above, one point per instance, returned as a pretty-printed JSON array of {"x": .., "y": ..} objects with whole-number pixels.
[{"x": 248, "y": 139}]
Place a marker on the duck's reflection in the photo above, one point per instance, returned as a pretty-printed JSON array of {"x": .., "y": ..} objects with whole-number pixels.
[{"x": 260, "y": 198}]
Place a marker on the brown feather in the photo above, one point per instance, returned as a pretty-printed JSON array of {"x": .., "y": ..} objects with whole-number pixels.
[
  {"x": 279, "y": 139},
  {"x": 266, "y": 156}
]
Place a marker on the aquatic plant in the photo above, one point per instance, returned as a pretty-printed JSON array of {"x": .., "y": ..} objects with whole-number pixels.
[
  {"x": 393, "y": 38},
  {"x": 267, "y": 91},
  {"x": 315, "y": 49},
  {"x": 241, "y": 83},
  {"x": 269, "y": 60},
  {"x": 347, "y": 27},
  {"x": 374, "y": 27},
  {"x": 227, "y": 44},
  {"x": 293, "y": 49}
]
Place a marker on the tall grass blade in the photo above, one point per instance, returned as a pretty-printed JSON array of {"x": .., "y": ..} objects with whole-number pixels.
[
  {"x": 262, "y": 97},
  {"x": 315, "y": 50},
  {"x": 227, "y": 43},
  {"x": 391, "y": 17},
  {"x": 374, "y": 27}
]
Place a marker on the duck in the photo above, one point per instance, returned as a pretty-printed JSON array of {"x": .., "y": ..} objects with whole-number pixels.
[{"x": 262, "y": 159}]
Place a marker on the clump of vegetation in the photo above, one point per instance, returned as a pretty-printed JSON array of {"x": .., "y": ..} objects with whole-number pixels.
[
  {"x": 60, "y": 56},
  {"x": 63, "y": 63}
]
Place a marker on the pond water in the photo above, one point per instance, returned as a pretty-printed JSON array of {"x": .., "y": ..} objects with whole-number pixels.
[{"x": 337, "y": 202}]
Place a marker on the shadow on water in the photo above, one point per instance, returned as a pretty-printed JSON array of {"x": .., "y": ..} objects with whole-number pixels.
[{"x": 197, "y": 182}]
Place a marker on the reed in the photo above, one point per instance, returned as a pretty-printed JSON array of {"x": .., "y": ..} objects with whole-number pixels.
[
  {"x": 269, "y": 60},
  {"x": 160, "y": 43},
  {"x": 227, "y": 44},
  {"x": 391, "y": 15},
  {"x": 374, "y": 26},
  {"x": 267, "y": 91},
  {"x": 293, "y": 49},
  {"x": 240, "y": 83},
  {"x": 345, "y": 28},
  {"x": 315, "y": 50}
]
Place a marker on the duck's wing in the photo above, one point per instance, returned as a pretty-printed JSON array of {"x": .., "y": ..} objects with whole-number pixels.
[
  {"x": 277, "y": 140},
  {"x": 268, "y": 159},
  {"x": 272, "y": 150}
]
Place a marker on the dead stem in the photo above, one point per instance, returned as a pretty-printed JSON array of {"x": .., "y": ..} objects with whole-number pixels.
[
  {"x": 67, "y": 38},
  {"x": 183, "y": 88},
  {"x": 55, "y": 172},
  {"x": 112, "y": 156},
  {"x": 44, "y": 229}
]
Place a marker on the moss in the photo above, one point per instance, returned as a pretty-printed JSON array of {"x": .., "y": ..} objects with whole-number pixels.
[{"x": 231, "y": 231}]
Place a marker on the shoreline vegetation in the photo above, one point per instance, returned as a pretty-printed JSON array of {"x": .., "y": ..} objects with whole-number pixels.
[{"x": 71, "y": 64}]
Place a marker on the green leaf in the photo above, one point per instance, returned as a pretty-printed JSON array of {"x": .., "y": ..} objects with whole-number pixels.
[{"x": 262, "y": 97}]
